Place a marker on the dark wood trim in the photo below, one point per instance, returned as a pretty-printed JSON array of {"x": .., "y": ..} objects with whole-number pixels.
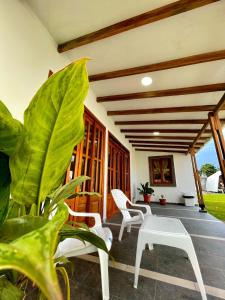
[
  {"x": 160, "y": 146},
  {"x": 163, "y": 137},
  {"x": 154, "y": 15},
  {"x": 163, "y": 130},
  {"x": 149, "y": 143},
  {"x": 165, "y": 93},
  {"x": 159, "y": 122},
  {"x": 164, "y": 65},
  {"x": 162, "y": 110},
  {"x": 160, "y": 150}
]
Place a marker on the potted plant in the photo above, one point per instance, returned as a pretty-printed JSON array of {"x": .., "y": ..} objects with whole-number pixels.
[
  {"x": 146, "y": 191},
  {"x": 162, "y": 200}
]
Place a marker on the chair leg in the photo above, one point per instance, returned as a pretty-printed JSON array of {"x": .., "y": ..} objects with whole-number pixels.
[
  {"x": 129, "y": 228},
  {"x": 121, "y": 232},
  {"x": 140, "y": 248},
  {"x": 194, "y": 261},
  {"x": 104, "y": 262}
]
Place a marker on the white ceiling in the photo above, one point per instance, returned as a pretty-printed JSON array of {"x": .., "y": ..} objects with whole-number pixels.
[{"x": 198, "y": 31}]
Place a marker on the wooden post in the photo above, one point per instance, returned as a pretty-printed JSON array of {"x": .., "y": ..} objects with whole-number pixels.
[
  {"x": 197, "y": 181},
  {"x": 218, "y": 140}
]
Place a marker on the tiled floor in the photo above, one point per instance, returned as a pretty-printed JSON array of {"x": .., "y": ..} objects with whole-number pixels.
[{"x": 208, "y": 235}]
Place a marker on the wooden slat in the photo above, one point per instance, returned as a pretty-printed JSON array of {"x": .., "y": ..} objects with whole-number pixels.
[
  {"x": 159, "y": 122},
  {"x": 165, "y": 93},
  {"x": 134, "y": 22},
  {"x": 163, "y": 137},
  {"x": 162, "y": 110},
  {"x": 159, "y": 146},
  {"x": 160, "y": 150},
  {"x": 186, "y": 144},
  {"x": 165, "y": 65},
  {"x": 163, "y": 130}
]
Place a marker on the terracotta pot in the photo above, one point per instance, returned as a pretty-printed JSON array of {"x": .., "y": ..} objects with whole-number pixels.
[
  {"x": 162, "y": 201},
  {"x": 147, "y": 198}
]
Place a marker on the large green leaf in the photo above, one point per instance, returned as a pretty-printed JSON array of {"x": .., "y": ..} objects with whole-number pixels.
[
  {"x": 8, "y": 291},
  {"x": 53, "y": 125},
  {"x": 10, "y": 131},
  {"x": 5, "y": 180},
  {"x": 32, "y": 255}
]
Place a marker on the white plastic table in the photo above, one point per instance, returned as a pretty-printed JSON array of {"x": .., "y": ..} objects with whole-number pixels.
[{"x": 169, "y": 232}]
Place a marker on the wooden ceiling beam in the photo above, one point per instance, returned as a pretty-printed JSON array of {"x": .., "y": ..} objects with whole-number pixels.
[
  {"x": 154, "y": 15},
  {"x": 162, "y": 130},
  {"x": 162, "y": 143},
  {"x": 161, "y": 110},
  {"x": 165, "y": 65},
  {"x": 161, "y": 146},
  {"x": 162, "y": 122},
  {"x": 161, "y": 150},
  {"x": 165, "y": 93},
  {"x": 163, "y": 137}
]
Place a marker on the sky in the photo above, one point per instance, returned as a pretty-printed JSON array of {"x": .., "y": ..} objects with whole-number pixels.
[{"x": 207, "y": 155}]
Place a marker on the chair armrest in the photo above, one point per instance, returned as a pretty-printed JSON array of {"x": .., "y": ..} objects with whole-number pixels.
[
  {"x": 135, "y": 211},
  {"x": 148, "y": 209},
  {"x": 96, "y": 216}
]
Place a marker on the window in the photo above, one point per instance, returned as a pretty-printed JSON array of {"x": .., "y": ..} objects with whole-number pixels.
[{"x": 161, "y": 171}]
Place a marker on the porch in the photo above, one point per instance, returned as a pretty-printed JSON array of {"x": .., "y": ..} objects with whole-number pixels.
[{"x": 166, "y": 272}]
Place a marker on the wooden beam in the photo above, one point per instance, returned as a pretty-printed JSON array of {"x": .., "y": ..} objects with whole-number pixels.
[
  {"x": 163, "y": 130},
  {"x": 165, "y": 65},
  {"x": 160, "y": 146},
  {"x": 157, "y": 14},
  {"x": 163, "y": 137},
  {"x": 162, "y": 110},
  {"x": 159, "y": 122},
  {"x": 219, "y": 142},
  {"x": 160, "y": 150},
  {"x": 165, "y": 93},
  {"x": 215, "y": 110},
  {"x": 186, "y": 144}
]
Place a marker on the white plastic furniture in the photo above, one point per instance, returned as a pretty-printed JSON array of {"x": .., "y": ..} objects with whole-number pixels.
[
  {"x": 170, "y": 232},
  {"x": 121, "y": 201},
  {"x": 73, "y": 247}
]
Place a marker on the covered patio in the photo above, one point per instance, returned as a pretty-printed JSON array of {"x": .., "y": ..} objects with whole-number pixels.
[{"x": 166, "y": 273}]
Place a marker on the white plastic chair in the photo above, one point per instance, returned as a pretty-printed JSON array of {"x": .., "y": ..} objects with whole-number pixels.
[
  {"x": 121, "y": 201},
  {"x": 169, "y": 232},
  {"x": 71, "y": 247}
]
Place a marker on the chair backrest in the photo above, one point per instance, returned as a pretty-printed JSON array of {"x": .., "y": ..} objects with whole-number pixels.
[{"x": 121, "y": 202}]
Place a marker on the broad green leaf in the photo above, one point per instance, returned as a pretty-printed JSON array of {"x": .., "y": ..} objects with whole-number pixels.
[
  {"x": 68, "y": 231},
  {"x": 5, "y": 180},
  {"x": 53, "y": 125},
  {"x": 10, "y": 131},
  {"x": 32, "y": 255},
  {"x": 14, "y": 228},
  {"x": 8, "y": 291}
]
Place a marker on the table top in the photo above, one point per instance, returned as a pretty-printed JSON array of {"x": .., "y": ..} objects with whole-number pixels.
[{"x": 163, "y": 225}]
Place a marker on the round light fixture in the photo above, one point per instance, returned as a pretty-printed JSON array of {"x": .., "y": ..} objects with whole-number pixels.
[
  {"x": 156, "y": 133},
  {"x": 146, "y": 81}
]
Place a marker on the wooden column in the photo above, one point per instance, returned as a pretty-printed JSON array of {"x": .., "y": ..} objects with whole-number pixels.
[
  {"x": 197, "y": 181},
  {"x": 218, "y": 140}
]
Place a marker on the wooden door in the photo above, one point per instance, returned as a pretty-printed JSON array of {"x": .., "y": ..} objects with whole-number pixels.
[
  {"x": 88, "y": 159},
  {"x": 118, "y": 172}
]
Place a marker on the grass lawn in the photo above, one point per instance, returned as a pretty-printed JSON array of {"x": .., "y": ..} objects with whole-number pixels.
[{"x": 215, "y": 204}]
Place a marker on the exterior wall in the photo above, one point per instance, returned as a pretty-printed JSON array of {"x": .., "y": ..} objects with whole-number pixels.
[
  {"x": 27, "y": 54},
  {"x": 183, "y": 173}
]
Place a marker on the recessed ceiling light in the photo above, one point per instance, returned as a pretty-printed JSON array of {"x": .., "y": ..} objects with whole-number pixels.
[
  {"x": 156, "y": 133},
  {"x": 146, "y": 81}
]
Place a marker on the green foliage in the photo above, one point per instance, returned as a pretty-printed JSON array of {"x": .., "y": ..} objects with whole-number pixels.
[
  {"x": 37, "y": 156},
  {"x": 53, "y": 124},
  {"x": 5, "y": 180},
  {"x": 145, "y": 189},
  {"x": 208, "y": 169}
]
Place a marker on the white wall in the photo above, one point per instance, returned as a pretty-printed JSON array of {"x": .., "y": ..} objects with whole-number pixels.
[
  {"x": 27, "y": 53},
  {"x": 183, "y": 172}
]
